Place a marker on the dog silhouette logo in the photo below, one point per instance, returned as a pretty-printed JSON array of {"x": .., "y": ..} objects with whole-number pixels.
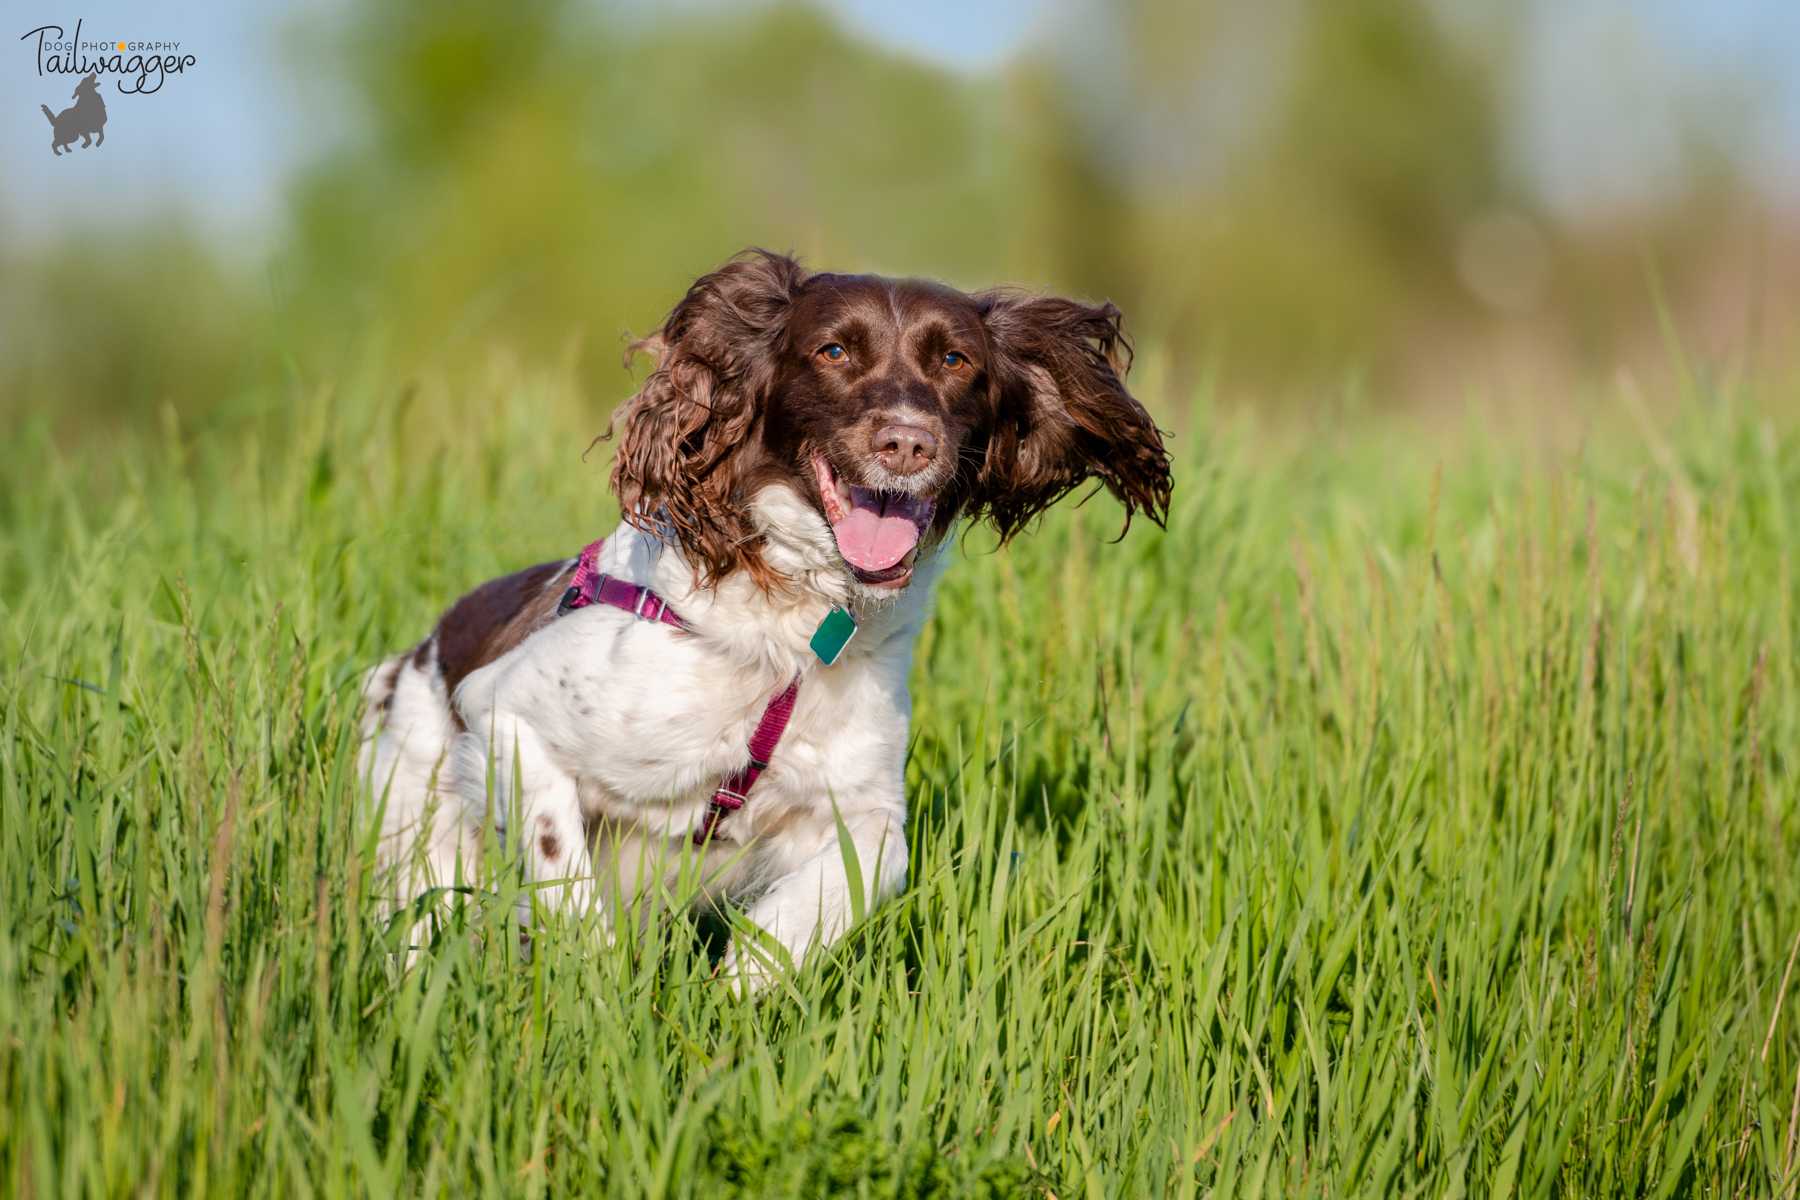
[{"x": 87, "y": 118}]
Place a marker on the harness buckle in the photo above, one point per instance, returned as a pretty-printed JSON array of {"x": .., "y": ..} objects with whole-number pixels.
[{"x": 646, "y": 596}]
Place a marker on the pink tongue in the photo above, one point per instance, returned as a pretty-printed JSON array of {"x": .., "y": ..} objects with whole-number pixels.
[{"x": 879, "y": 530}]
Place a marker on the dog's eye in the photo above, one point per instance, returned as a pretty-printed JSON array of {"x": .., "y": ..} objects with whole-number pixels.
[
  {"x": 832, "y": 352},
  {"x": 955, "y": 361}
]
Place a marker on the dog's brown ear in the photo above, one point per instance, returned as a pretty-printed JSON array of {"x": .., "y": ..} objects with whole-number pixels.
[
  {"x": 678, "y": 465},
  {"x": 1062, "y": 413}
]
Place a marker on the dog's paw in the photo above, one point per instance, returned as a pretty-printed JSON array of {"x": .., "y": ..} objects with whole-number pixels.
[{"x": 748, "y": 976}]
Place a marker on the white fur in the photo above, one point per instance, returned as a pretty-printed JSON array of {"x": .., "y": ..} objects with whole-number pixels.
[{"x": 626, "y": 726}]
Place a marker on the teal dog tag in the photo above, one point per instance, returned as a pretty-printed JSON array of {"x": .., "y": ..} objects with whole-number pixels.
[{"x": 832, "y": 635}]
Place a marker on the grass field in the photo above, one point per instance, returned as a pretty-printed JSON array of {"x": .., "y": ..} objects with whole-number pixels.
[{"x": 1381, "y": 828}]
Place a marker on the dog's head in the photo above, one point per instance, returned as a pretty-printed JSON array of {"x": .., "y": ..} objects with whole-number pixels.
[
  {"x": 887, "y": 407},
  {"x": 90, "y": 85}
]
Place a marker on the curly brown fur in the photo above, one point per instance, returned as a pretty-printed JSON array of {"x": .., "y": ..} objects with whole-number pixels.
[
  {"x": 1064, "y": 415},
  {"x": 683, "y": 437}
]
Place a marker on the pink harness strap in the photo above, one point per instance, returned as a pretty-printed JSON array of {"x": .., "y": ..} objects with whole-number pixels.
[
  {"x": 589, "y": 586},
  {"x": 734, "y": 791}
]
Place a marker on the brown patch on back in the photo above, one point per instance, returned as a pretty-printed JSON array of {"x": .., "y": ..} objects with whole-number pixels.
[
  {"x": 382, "y": 687},
  {"x": 497, "y": 616}
]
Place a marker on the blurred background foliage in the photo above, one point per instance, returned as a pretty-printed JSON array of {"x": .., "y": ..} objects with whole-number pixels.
[{"x": 1295, "y": 196}]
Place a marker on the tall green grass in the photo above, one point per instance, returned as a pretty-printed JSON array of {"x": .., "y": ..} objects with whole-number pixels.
[{"x": 1382, "y": 828}]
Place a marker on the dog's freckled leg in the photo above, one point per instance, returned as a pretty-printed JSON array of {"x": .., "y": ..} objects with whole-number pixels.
[{"x": 551, "y": 840}]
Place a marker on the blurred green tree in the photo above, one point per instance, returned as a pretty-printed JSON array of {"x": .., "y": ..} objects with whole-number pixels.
[
  {"x": 535, "y": 172},
  {"x": 1284, "y": 183},
  {"x": 1278, "y": 186}
]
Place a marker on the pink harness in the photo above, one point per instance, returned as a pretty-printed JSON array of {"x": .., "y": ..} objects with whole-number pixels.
[{"x": 589, "y": 586}]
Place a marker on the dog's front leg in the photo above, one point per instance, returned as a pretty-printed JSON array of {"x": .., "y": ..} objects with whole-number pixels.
[
  {"x": 537, "y": 809},
  {"x": 553, "y": 845},
  {"x": 813, "y": 904}
]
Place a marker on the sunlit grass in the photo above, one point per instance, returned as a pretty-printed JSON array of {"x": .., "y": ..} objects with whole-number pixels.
[{"x": 1381, "y": 828}]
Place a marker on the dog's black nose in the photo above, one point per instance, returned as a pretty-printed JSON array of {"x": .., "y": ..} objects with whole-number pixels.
[{"x": 904, "y": 449}]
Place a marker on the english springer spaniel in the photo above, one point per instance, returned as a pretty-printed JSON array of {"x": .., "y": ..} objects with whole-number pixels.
[{"x": 792, "y": 475}]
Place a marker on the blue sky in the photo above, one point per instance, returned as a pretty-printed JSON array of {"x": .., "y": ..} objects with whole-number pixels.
[{"x": 219, "y": 140}]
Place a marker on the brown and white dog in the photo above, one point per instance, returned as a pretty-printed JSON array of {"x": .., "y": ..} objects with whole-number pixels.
[{"x": 806, "y": 442}]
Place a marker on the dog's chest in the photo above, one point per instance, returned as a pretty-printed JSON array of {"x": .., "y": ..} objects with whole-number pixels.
[{"x": 644, "y": 717}]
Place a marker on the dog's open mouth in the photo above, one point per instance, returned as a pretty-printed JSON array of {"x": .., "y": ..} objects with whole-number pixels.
[{"x": 877, "y": 532}]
